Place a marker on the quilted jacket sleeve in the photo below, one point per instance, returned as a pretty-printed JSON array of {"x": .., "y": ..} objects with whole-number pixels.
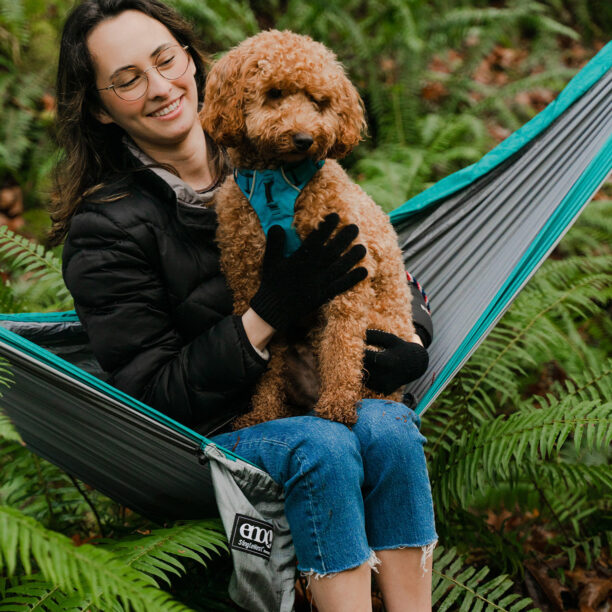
[{"x": 124, "y": 308}]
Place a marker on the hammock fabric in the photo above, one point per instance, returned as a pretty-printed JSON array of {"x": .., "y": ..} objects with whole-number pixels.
[{"x": 473, "y": 240}]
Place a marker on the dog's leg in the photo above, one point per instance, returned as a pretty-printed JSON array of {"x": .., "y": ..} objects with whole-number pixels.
[
  {"x": 241, "y": 243},
  {"x": 340, "y": 350}
]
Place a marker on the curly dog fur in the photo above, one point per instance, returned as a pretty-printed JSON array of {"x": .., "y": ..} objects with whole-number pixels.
[{"x": 258, "y": 96}]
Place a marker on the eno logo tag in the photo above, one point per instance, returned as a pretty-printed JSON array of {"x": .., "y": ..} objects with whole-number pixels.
[{"x": 252, "y": 536}]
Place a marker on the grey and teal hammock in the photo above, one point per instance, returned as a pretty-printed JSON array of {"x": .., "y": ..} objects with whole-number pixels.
[{"x": 473, "y": 240}]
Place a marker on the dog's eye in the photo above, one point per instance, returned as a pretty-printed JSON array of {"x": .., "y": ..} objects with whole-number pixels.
[
  {"x": 275, "y": 93},
  {"x": 321, "y": 103}
]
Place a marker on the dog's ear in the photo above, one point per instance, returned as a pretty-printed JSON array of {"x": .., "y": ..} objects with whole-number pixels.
[
  {"x": 348, "y": 106},
  {"x": 222, "y": 115}
]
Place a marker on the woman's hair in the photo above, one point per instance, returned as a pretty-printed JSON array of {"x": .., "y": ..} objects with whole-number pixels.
[{"x": 91, "y": 151}]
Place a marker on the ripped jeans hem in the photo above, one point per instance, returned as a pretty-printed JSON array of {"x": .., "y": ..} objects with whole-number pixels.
[
  {"x": 427, "y": 552},
  {"x": 373, "y": 561}
]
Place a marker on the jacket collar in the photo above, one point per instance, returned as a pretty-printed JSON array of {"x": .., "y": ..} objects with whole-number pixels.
[{"x": 190, "y": 206}]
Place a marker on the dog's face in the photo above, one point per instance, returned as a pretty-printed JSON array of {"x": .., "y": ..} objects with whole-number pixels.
[{"x": 279, "y": 97}]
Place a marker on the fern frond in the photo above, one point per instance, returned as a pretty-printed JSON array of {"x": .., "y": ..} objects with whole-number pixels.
[
  {"x": 593, "y": 383},
  {"x": 154, "y": 555},
  {"x": 457, "y": 586},
  {"x": 85, "y": 568},
  {"x": 159, "y": 553},
  {"x": 33, "y": 593},
  {"x": 590, "y": 548},
  {"x": 552, "y": 292},
  {"x": 38, "y": 594},
  {"x": 488, "y": 453},
  {"x": 27, "y": 257},
  {"x": 592, "y": 481},
  {"x": 39, "y": 488},
  {"x": 25, "y": 254}
]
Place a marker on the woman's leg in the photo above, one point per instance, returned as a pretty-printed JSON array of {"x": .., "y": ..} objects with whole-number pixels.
[
  {"x": 401, "y": 579},
  {"x": 349, "y": 591},
  {"x": 398, "y": 505},
  {"x": 319, "y": 465}
]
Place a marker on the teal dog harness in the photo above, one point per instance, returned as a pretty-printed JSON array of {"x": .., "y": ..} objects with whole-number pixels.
[{"x": 272, "y": 194}]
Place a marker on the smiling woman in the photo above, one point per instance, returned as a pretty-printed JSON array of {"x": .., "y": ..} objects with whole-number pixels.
[
  {"x": 135, "y": 203},
  {"x": 160, "y": 119}
]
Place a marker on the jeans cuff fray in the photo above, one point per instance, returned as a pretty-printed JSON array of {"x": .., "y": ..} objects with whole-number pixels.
[
  {"x": 427, "y": 551},
  {"x": 372, "y": 561}
]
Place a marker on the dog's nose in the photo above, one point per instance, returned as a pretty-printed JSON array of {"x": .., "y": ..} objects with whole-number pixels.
[{"x": 302, "y": 141}]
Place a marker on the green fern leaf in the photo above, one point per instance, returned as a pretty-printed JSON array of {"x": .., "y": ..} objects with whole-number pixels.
[
  {"x": 159, "y": 553},
  {"x": 528, "y": 436},
  {"x": 86, "y": 568},
  {"x": 456, "y": 586}
]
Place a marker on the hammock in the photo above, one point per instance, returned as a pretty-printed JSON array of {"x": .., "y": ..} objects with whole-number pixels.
[{"x": 473, "y": 240}]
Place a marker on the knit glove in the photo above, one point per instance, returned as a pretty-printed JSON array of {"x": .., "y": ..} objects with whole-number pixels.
[
  {"x": 399, "y": 362},
  {"x": 292, "y": 287}
]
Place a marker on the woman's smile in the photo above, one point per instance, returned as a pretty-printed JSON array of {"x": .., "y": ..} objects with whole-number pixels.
[{"x": 170, "y": 111}]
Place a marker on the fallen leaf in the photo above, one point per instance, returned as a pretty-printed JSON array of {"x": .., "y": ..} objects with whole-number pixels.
[
  {"x": 551, "y": 587},
  {"x": 594, "y": 593}
]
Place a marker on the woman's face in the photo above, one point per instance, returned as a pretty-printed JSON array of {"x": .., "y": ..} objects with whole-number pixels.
[{"x": 132, "y": 39}]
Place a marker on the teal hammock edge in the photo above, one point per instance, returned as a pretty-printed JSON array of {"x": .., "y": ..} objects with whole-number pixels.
[
  {"x": 558, "y": 223},
  {"x": 61, "y": 365},
  {"x": 577, "y": 87},
  {"x": 41, "y": 317}
]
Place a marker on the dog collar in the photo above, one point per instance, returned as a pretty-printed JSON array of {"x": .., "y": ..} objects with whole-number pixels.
[{"x": 273, "y": 192}]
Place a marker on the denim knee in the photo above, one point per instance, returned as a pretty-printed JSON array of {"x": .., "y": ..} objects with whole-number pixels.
[
  {"x": 329, "y": 447},
  {"x": 383, "y": 424}
]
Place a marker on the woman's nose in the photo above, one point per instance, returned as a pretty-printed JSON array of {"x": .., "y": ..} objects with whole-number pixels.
[{"x": 158, "y": 85}]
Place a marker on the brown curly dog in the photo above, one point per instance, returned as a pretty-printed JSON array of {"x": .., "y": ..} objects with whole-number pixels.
[{"x": 265, "y": 91}]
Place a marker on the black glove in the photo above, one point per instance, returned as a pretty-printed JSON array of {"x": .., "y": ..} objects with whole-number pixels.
[
  {"x": 399, "y": 362},
  {"x": 292, "y": 287}
]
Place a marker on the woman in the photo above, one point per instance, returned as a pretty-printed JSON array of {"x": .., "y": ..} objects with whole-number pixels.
[{"x": 135, "y": 204}]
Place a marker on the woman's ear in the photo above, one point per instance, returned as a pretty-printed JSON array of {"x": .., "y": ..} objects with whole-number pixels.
[{"x": 102, "y": 116}]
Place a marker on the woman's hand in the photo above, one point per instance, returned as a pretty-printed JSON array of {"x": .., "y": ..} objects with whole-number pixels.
[
  {"x": 292, "y": 287},
  {"x": 399, "y": 362}
]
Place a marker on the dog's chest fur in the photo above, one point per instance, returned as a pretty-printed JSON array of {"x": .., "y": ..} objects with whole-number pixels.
[{"x": 242, "y": 243}]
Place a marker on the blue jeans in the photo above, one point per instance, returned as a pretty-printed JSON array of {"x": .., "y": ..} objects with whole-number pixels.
[{"x": 348, "y": 492}]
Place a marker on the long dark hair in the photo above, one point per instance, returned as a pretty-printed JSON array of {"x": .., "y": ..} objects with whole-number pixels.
[{"x": 90, "y": 150}]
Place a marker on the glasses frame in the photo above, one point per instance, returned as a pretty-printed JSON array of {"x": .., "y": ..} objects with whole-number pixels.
[{"x": 144, "y": 74}]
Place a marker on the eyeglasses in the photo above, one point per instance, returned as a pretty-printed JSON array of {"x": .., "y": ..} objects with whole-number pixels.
[{"x": 131, "y": 83}]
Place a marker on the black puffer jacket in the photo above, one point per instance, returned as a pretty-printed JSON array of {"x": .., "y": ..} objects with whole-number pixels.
[{"x": 144, "y": 274}]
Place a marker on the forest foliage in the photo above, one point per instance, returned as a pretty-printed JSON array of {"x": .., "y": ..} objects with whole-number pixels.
[{"x": 530, "y": 414}]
